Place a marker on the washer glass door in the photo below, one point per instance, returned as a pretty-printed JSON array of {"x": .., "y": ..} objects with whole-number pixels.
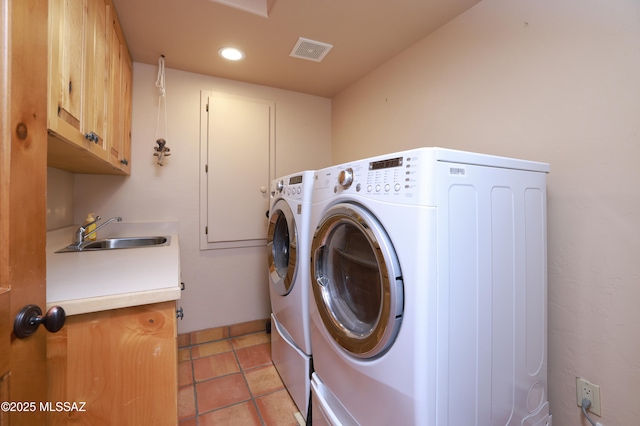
[
  {"x": 356, "y": 281},
  {"x": 281, "y": 247}
]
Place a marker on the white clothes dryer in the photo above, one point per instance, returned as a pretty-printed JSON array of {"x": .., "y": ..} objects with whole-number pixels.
[
  {"x": 288, "y": 257},
  {"x": 428, "y": 300}
]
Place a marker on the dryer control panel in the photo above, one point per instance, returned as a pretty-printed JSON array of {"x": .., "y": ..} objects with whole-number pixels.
[
  {"x": 290, "y": 188},
  {"x": 293, "y": 187}
]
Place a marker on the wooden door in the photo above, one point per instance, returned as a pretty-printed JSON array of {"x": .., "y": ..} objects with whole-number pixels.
[{"x": 23, "y": 160}]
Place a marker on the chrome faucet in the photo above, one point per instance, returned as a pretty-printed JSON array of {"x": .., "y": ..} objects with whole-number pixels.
[{"x": 80, "y": 235}]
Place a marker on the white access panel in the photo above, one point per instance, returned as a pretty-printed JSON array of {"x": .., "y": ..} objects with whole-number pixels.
[
  {"x": 492, "y": 311},
  {"x": 237, "y": 143}
]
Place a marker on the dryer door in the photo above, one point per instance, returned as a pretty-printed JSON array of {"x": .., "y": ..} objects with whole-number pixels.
[
  {"x": 281, "y": 247},
  {"x": 356, "y": 281}
]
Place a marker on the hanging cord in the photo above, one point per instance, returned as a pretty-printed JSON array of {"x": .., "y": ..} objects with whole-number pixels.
[
  {"x": 161, "y": 150},
  {"x": 160, "y": 79},
  {"x": 585, "y": 406},
  {"x": 162, "y": 92}
]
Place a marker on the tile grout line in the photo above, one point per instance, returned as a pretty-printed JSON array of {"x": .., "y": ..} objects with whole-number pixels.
[
  {"x": 193, "y": 380},
  {"x": 253, "y": 399}
]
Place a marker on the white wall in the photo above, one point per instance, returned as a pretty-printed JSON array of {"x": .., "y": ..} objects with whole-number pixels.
[
  {"x": 223, "y": 286},
  {"x": 548, "y": 80},
  {"x": 59, "y": 199}
]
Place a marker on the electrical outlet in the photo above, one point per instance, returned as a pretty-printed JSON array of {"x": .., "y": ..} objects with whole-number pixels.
[{"x": 585, "y": 389}]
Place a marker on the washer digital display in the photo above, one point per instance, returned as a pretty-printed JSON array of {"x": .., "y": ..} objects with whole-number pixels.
[
  {"x": 295, "y": 179},
  {"x": 385, "y": 164}
]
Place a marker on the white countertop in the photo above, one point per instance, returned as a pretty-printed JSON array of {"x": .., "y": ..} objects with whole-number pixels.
[{"x": 94, "y": 281}]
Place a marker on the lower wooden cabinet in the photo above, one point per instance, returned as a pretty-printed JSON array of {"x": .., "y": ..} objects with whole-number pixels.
[{"x": 119, "y": 366}]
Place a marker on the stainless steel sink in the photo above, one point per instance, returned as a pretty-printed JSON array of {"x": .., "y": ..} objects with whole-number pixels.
[{"x": 117, "y": 243}]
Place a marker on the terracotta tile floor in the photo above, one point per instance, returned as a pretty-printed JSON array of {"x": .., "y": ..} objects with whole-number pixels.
[{"x": 226, "y": 377}]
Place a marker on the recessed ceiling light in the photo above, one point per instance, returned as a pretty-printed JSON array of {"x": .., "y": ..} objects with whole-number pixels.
[{"x": 231, "y": 53}]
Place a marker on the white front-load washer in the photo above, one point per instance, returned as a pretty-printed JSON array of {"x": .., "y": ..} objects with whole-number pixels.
[
  {"x": 288, "y": 257},
  {"x": 428, "y": 300}
]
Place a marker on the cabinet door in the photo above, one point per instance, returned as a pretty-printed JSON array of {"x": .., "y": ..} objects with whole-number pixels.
[
  {"x": 82, "y": 66},
  {"x": 122, "y": 363},
  {"x": 119, "y": 101},
  {"x": 74, "y": 108},
  {"x": 67, "y": 23},
  {"x": 115, "y": 87},
  {"x": 96, "y": 71},
  {"x": 126, "y": 92},
  {"x": 239, "y": 141}
]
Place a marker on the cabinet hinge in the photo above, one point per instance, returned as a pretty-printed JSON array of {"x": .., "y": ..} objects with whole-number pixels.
[
  {"x": 207, "y": 108},
  {"x": 206, "y": 230},
  {"x": 206, "y": 168}
]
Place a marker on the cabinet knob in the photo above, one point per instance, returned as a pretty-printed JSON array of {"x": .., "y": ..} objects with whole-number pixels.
[
  {"x": 92, "y": 137},
  {"x": 179, "y": 313},
  {"x": 30, "y": 317},
  {"x": 124, "y": 161}
]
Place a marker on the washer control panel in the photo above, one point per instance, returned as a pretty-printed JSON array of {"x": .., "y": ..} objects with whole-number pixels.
[{"x": 290, "y": 187}]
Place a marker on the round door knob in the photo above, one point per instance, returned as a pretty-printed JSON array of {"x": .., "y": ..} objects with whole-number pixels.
[
  {"x": 345, "y": 178},
  {"x": 263, "y": 189},
  {"x": 30, "y": 317}
]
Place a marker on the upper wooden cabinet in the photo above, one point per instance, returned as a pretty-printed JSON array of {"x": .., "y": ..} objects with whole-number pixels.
[{"x": 90, "y": 77}]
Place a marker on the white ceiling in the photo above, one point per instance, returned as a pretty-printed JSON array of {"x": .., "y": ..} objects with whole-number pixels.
[{"x": 364, "y": 35}]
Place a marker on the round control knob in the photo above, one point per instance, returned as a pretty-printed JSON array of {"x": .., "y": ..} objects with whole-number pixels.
[
  {"x": 279, "y": 186},
  {"x": 345, "y": 178}
]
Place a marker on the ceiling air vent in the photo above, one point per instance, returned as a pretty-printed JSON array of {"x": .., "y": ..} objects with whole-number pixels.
[{"x": 310, "y": 50}]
